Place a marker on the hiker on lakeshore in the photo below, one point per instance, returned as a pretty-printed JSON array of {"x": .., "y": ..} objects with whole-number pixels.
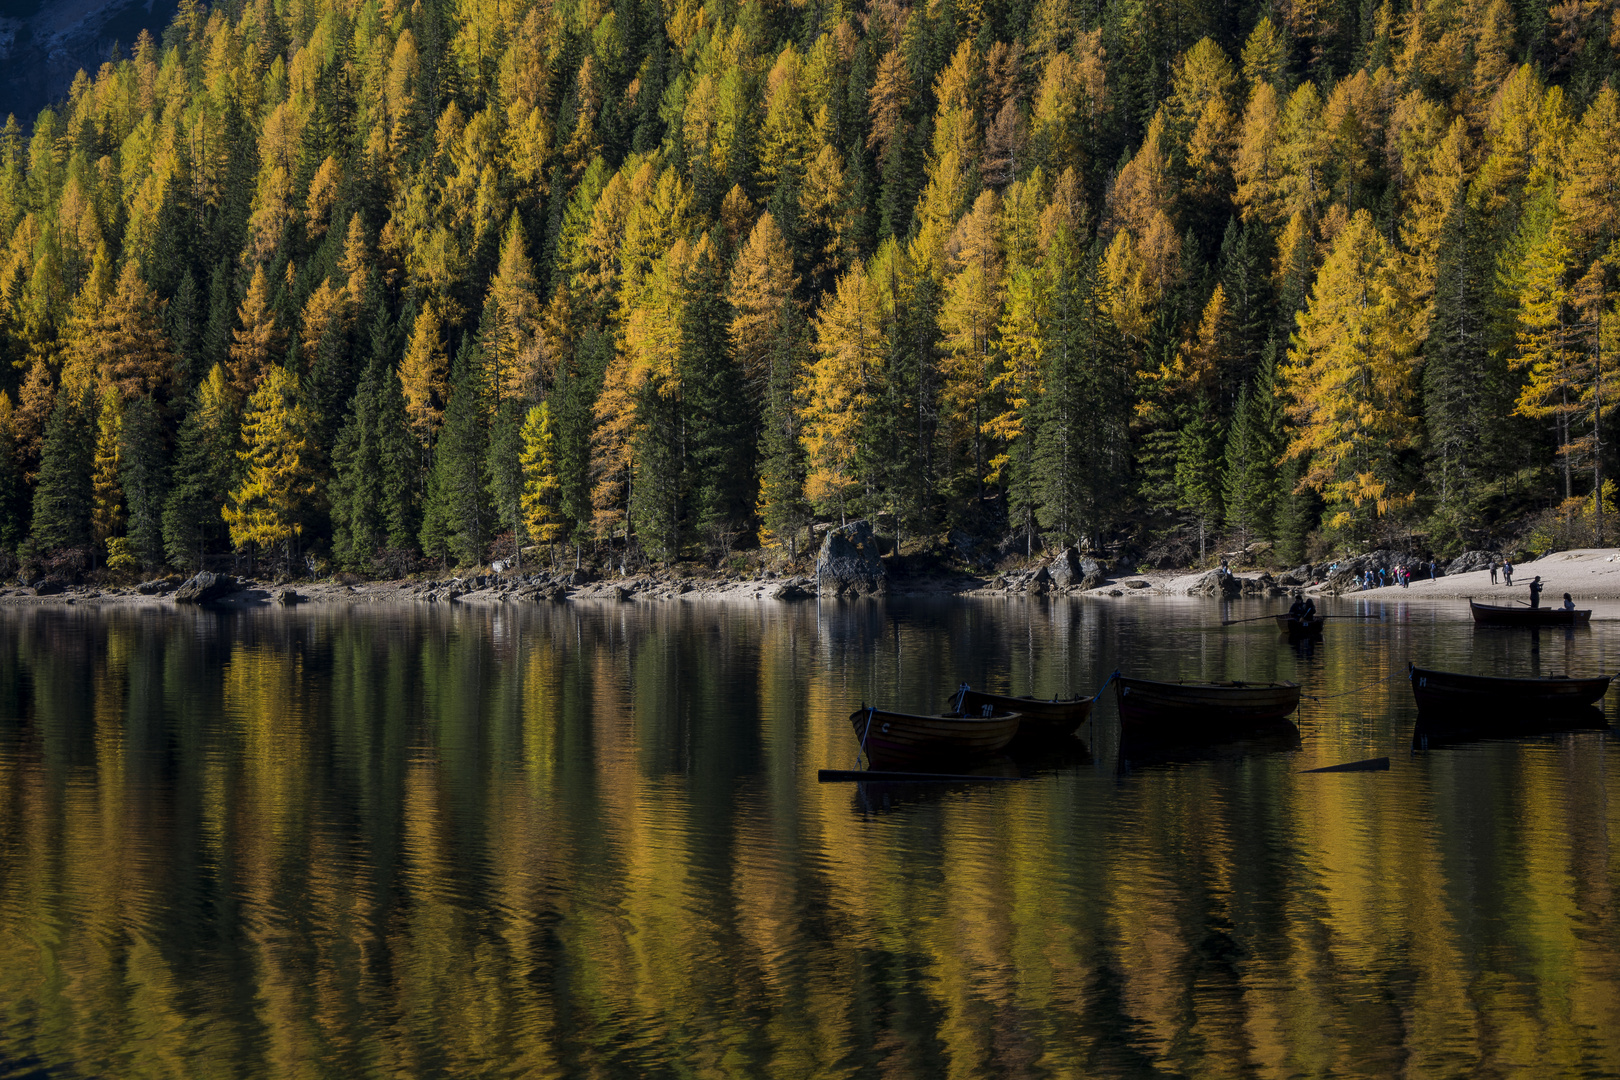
[
  {"x": 1507, "y": 570},
  {"x": 1431, "y": 570},
  {"x": 1406, "y": 577},
  {"x": 1535, "y": 592},
  {"x": 1569, "y": 605},
  {"x": 1380, "y": 577},
  {"x": 1493, "y": 569}
]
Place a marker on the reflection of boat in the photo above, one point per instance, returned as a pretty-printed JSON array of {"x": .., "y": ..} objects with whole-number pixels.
[
  {"x": 901, "y": 740},
  {"x": 1433, "y": 731},
  {"x": 1485, "y": 695},
  {"x": 1039, "y": 719},
  {"x": 1277, "y": 737},
  {"x": 1207, "y": 709},
  {"x": 1298, "y": 630},
  {"x": 1491, "y": 615},
  {"x": 883, "y": 796}
]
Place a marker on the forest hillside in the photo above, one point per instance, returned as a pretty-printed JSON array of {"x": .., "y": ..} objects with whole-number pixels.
[{"x": 383, "y": 285}]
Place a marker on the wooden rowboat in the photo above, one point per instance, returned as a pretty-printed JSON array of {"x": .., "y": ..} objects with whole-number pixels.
[
  {"x": 1492, "y": 615},
  {"x": 902, "y": 740},
  {"x": 1200, "y": 709},
  {"x": 1041, "y": 719},
  {"x": 1486, "y": 695},
  {"x": 1297, "y": 630}
]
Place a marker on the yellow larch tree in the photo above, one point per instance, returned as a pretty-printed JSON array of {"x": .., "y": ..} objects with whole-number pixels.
[
  {"x": 257, "y": 346},
  {"x": 107, "y": 494},
  {"x": 967, "y": 320},
  {"x": 511, "y": 319},
  {"x": 761, "y": 280},
  {"x": 541, "y": 488},
  {"x": 1351, "y": 379},
  {"x": 842, "y": 383},
  {"x": 120, "y": 343},
  {"x": 265, "y": 510},
  {"x": 424, "y": 374},
  {"x": 1547, "y": 344}
]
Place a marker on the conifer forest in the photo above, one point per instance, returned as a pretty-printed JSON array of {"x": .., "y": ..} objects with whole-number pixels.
[{"x": 389, "y": 285}]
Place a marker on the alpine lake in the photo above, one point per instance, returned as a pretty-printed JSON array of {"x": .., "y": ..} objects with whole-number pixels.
[{"x": 588, "y": 840}]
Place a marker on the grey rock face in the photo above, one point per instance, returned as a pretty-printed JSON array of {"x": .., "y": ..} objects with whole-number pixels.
[
  {"x": 1216, "y": 584},
  {"x": 204, "y": 588},
  {"x": 1470, "y": 561},
  {"x": 849, "y": 563}
]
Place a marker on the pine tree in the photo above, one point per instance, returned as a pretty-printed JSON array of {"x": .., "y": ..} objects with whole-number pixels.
[
  {"x": 717, "y": 407},
  {"x": 782, "y": 508},
  {"x": 267, "y": 508},
  {"x": 205, "y": 467},
  {"x": 1252, "y": 485},
  {"x": 62, "y": 493},
  {"x": 1081, "y": 446},
  {"x": 1200, "y": 460},
  {"x": 14, "y": 507},
  {"x": 143, "y": 475},
  {"x": 457, "y": 517},
  {"x": 503, "y": 469}
]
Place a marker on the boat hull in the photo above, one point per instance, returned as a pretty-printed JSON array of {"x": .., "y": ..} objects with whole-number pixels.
[
  {"x": 1491, "y": 615},
  {"x": 1448, "y": 693},
  {"x": 1297, "y": 630},
  {"x": 904, "y": 740},
  {"x": 1200, "y": 709},
  {"x": 1040, "y": 720}
]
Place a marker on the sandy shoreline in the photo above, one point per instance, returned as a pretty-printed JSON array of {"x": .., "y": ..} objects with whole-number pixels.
[{"x": 1590, "y": 574}]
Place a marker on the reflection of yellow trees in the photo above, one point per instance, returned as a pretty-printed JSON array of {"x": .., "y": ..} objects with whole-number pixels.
[{"x": 558, "y": 841}]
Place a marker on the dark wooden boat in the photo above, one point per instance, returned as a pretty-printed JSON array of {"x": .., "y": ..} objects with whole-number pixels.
[
  {"x": 904, "y": 740},
  {"x": 1202, "y": 709},
  {"x": 1444, "y": 692},
  {"x": 1298, "y": 630},
  {"x": 1041, "y": 719},
  {"x": 1491, "y": 615}
]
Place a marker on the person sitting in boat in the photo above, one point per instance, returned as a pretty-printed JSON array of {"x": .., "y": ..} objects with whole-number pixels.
[
  {"x": 1569, "y": 605},
  {"x": 1535, "y": 591}
]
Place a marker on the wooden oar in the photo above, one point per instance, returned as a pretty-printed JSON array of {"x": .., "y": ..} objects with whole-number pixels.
[{"x": 1257, "y": 618}]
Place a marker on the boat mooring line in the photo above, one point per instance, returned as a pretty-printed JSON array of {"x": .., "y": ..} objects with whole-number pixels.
[{"x": 1347, "y": 693}]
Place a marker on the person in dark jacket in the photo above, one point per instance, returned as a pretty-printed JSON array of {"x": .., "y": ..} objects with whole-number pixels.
[{"x": 1535, "y": 591}]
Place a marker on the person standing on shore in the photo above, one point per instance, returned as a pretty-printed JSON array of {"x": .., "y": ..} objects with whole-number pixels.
[
  {"x": 1431, "y": 571},
  {"x": 1507, "y": 570},
  {"x": 1493, "y": 569}
]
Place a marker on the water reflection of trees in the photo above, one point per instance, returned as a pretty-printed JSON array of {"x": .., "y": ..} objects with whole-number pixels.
[{"x": 557, "y": 840}]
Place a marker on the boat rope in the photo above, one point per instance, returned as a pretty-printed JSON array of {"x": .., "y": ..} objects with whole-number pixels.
[
  {"x": 1104, "y": 686},
  {"x": 1347, "y": 693}
]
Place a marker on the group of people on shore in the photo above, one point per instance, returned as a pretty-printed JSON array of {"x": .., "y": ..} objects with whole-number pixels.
[{"x": 1401, "y": 575}]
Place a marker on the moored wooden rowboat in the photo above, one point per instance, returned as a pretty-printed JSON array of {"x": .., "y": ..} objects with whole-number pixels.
[
  {"x": 1152, "y": 709},
  {"x": 1297, "y": 629},
  {"x": 1444, "y": 692},
  {"x": 901, "y": 740},
  {"x": 1041, "y": 719},
  {"x": 1492, "y": 615}
]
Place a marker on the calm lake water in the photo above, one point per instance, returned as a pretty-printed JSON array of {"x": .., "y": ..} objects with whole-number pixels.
[{"x": 581, "y": 840}]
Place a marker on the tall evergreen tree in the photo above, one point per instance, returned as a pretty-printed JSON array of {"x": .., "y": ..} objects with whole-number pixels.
[
  {"x": 457, "y": 517},
  {"x": 144, "y": 476},
  {"x": 63, "y": 492},
  {"x": 205, "y": 468}
]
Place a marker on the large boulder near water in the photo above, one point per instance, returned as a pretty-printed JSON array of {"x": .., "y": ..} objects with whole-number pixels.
[
  {"x": 204, "y": 588},
  {"x": 1469, "y": 561},
  {"x": 1216, "y": 584},
  {"x": 849, "y": 563},
  {"x": 792, "y": 590},
  {"x": 1066, "y": 570}
]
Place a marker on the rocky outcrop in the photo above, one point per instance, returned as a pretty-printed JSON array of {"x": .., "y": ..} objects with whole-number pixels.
[
  {"x": 205, "y": 588},
  {"x": 1469, "y": 561},
  {"x": 848, "y": 564},
  {"x": 1065, "y": 570},
  {"x": 1217, "y": 584},
  {"x": 289, "y": 598},
  {"x": 792, "y": 590}
]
